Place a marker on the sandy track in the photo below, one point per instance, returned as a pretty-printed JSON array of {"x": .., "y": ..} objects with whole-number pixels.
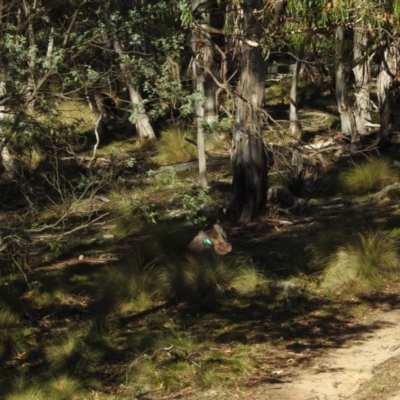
[{"x": 341, "y": 371}]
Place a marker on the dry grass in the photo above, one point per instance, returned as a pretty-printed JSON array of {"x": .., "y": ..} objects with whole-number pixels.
[
  {"x": 369, "y": 176},
  {"x": 172, "y": 147},
  {"x": 358, "y": 265}
]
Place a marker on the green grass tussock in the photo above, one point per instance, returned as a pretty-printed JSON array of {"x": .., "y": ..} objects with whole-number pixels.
[
  {"x": 369, "y": 176},
  {"x": 9, "y": 332},
  {"x": 33, "y": 393},
  {"x": 356, "y": 266},
  {"x": 172, "y": 147},
  {"x": 67, "y": 353},
  {"x": 64, "y": 387},
  {"x": 194, "y": 278},
  {"x": 125, "y": 288}
]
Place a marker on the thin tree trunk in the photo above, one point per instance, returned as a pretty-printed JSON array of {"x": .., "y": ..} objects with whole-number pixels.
[
  {"x": 204, "y": 85},
  {"x": 101, "y": 129},
  {"x": 143, "y": 127},
  {"x": 248, "y": 155},
  {"x": 362, "y": 77},
  {"x": 348, "y": 124},
  {"x": 295, "y": 126},
  {"x": 198, "y": 79}
]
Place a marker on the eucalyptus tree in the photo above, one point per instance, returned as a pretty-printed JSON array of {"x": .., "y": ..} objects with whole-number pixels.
[
  {"x": 248, "y": 153},
  {"x": 203, "y": 84},
  {"x": 348, "y": 23}
]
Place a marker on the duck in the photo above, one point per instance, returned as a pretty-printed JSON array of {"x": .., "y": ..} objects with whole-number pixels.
[{"x": 214, "y": 238}]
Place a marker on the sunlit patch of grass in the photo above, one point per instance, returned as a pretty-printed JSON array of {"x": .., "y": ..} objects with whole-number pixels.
[
  {"x": 126, "y": 288},
  {"x": 200, "y": 277},
  {"x": 172, "y": 147},
  {"x": 219, "y": 368},
  {"x": 357, "y": 265},
  {"x": 215, "y": 145},
  {"x": 32, "y": 393},
  {"x": 277, "y": 93},
  {"x": 247, "y": 279},
  {"x": 64, "y": 387},
  {"x": 68, "y": 353},
  {"x": 178, "y": 361},
  {"x": 76, "y": 111},
  {"x": 369, "y": 176},
  {"x": 10, "y": 331}
]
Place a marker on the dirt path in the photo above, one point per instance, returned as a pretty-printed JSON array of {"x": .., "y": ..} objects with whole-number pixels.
[{"x": 341, "y": 372}]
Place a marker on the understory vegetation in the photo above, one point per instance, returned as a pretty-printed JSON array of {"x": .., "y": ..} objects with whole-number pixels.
[{"x": 102, "y": 300}]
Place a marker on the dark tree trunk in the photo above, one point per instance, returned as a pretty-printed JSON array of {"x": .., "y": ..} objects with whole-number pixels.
[
  {"x": 248, "y": 154},
  {"x": 390, "y": 116},
  {"x": 389, "y": 96}
]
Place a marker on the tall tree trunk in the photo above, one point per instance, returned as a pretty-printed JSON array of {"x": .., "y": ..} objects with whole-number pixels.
[
  {"x": 143, "y": 127},
  {"x": 389, "y": 66},
  {"x": 362, "y": 77},
  {"x": 295, "y": 126},
  {"x": 248, "y": 155},
  {"x": 198, "y": 79},
  {"x": 389, "y": 91},
  {"x": 205, "y": 106},
  {"x": 347, "y": 120}
]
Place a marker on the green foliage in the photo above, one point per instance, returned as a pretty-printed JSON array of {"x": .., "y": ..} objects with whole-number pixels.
[
  {"x": 368, "y": 176},
  {"x": 357, "y": 265}
]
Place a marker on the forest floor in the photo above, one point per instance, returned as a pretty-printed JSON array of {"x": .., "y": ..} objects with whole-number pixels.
[{"x": 78, "y": 325}]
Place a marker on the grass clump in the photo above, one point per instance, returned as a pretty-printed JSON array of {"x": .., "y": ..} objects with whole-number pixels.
[
  {"x": 33, "y": 393},
  {"x": 369, "y": 176},
  {"x": 64, "y": 387},
  {"x": 172, "y": 147},
  {"x": 248, "y": 279},
  {"x": 126, "y": 288},
  {"x": 197, "y": 278},
  {"x": 356, "y": 266},
  {"x": 9, "y": 332},
  {"x": 68, "y": 353}
]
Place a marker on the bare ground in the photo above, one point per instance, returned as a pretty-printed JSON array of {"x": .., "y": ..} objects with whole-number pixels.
[{"x": 366, "y": 367}]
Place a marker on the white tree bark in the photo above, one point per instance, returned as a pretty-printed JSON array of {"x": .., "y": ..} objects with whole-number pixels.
[
  {"x": 362, "y": 76},
  {"x": 295, "y": 126},
  {"x": 204, "y": 85},
  {"x": 347, "y": 120}
]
